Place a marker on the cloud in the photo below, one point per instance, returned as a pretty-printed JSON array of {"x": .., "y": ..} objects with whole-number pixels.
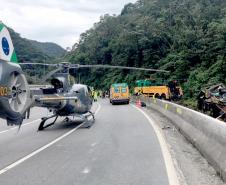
[{"x": 55, "y": 20}]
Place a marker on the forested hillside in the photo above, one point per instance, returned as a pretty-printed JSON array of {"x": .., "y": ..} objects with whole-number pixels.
[
  {"x": 33, "y": 51},
  {"x": 186, "y": 37},
  {"x": 51, "y": 49}
]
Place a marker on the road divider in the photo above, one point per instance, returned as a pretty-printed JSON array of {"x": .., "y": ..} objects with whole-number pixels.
[{"x": 207, "y": 134}]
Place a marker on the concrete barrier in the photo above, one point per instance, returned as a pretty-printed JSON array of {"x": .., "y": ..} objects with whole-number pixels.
[{"x": 207, "y": 134}]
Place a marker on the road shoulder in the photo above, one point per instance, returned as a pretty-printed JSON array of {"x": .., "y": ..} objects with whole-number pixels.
[{"x": 192, "y": 167}]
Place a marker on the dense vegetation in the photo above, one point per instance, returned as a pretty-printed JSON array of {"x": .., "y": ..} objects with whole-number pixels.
[
  {"x": 50, "y": 49},
  {"x": 186, "y": 37}
]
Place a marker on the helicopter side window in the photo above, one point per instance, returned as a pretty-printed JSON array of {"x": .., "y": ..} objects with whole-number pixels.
[{"x": 57, "y": 83}]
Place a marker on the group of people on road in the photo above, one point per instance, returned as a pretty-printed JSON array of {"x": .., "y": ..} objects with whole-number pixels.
[{"x": 101, "y": 94}]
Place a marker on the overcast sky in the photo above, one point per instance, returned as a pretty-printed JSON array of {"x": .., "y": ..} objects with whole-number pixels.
[{"x": 59, "y": 21}]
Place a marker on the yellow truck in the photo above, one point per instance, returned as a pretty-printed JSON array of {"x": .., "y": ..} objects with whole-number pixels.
[
  {"x": 119, "y": 93},
  {"x": 171, "y": 91}
]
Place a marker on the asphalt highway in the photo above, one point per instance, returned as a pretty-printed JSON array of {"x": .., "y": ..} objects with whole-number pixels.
[{"x": 121, "y": 148}]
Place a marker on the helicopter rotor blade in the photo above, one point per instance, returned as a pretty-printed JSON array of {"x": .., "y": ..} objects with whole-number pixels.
[
  {"x": 116, "y": 67},
  {"x": 76, "y": 66},
  {"x": 61, "y": 66},
  {"x": 41, "y": 64}
]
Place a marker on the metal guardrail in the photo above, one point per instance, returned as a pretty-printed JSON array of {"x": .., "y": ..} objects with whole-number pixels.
[{"x": 207, "y": 134}]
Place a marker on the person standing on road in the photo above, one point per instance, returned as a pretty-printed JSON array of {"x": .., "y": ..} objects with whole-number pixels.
[{"x": 95, "y": 96}]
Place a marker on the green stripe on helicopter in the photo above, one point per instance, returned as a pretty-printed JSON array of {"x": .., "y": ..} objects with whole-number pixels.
[
  {"x": 1, "y": 26},
  {"x": 14, "y": 57}
]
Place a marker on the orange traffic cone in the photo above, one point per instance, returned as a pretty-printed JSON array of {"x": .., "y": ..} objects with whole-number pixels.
[{"x": 138, "y": 103}]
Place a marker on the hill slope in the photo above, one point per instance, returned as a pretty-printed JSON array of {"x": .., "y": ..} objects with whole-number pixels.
[
  {"x": 33, "y": 51},
  {"x": 188, "y": 38},
  {"x": 48, "y": 48}
]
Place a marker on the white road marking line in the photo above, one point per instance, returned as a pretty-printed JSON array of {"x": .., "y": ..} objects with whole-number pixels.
[
  {"x": 171, "y": 171},
  {"x": 98, "y": 109},
  {"x": 93, "y": 144},
  {"x": 43, "y": 148},
  {"x": 86, "y": 170},
  {"x": 25, "y": 124}
]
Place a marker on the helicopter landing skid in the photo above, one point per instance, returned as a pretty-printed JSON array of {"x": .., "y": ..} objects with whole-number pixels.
[
  {"x": 41, "y": 125},
  {"x": 86, "y": 122}
]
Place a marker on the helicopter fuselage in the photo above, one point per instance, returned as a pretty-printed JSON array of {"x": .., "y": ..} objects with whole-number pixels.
[{"x": 76, "y": 100}]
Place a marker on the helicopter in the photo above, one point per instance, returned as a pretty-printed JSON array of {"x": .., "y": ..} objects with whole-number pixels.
[{"x": 63, "y": 98}]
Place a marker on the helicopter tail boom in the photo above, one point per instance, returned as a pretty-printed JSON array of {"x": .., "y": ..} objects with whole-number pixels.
[{"x": 53, "y": 102}]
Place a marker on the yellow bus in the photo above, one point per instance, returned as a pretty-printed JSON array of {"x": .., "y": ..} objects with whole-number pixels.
[
  {"x": 119, "y": 93},
  {"x": 171, "y": 91}
]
